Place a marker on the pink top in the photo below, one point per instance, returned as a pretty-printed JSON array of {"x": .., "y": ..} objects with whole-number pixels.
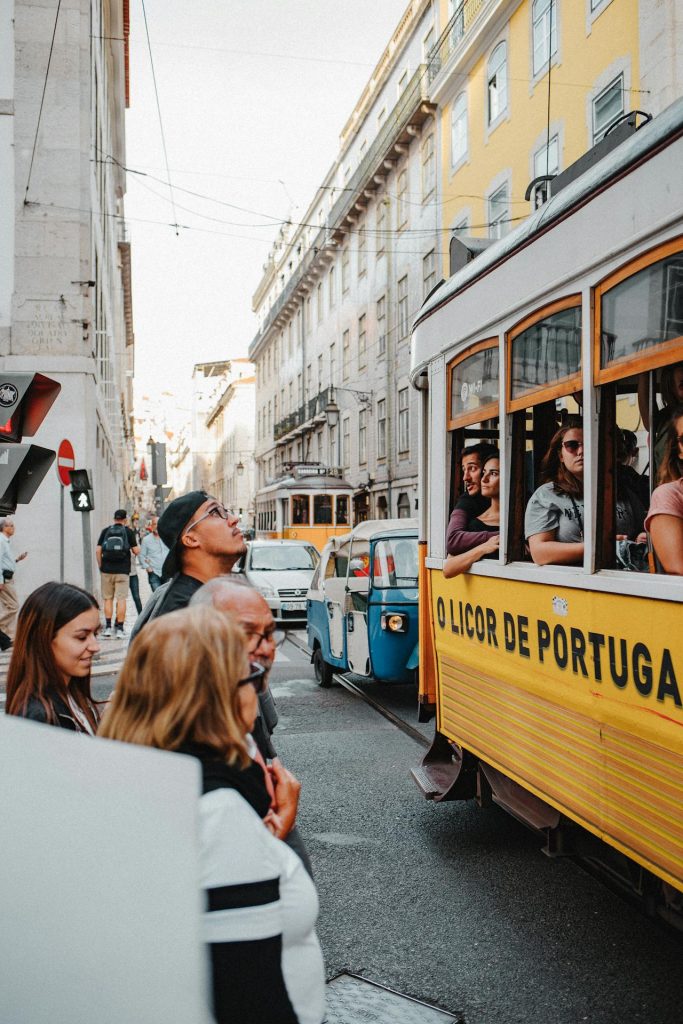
[{"x": 666, "y": 500}]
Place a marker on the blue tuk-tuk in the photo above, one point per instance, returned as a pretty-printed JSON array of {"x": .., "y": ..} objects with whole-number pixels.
[{"x": 362, "y": 603}]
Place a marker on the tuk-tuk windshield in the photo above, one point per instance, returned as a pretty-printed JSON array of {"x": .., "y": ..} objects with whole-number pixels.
[{"x": 395, "y": 563}]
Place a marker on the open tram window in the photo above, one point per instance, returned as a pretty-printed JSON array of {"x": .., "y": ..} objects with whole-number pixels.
[
  {"x": 473, "y": 404},
  {"x": 546, "y": 469},
  {"x": 301, "y": 512},
  {"x": 638, "y": 338}
]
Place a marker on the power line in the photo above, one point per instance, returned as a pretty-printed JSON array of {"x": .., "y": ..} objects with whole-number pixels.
[
  {"x": 42, "y": 100},
  {"x": 156, "y": 93}
]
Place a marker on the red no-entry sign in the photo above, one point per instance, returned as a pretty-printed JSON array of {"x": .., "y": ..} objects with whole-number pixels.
[{"x": 66, "y": 460}]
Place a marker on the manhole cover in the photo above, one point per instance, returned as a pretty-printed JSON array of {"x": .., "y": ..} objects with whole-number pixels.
[{"x": 353, "y": 1000}]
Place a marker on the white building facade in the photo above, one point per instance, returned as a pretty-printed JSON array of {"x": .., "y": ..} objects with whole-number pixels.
[
  {"x": 65, "y": 292},
  {"x": 340, "y": 291}
]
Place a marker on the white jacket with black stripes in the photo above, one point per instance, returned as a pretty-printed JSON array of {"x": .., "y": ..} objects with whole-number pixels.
[{"x": 260, "y": 919}]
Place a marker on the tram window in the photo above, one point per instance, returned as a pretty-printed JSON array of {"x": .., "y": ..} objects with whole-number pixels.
[
  {"x": 545, "y": 354},
  {"x": 322, "y": 509},
  {"x": 342, "y": 510},
  {"x": 640, "y": 313},
  {"x": 301, "y": 515}
]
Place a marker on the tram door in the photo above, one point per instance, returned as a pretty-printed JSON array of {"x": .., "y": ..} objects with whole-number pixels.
[{"x": 356, "y": 619}]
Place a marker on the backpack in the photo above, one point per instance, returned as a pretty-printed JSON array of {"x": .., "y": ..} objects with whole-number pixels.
[{"x": 116, "y": 545}]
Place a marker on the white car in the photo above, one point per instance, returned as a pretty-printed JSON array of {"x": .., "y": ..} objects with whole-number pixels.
[{"x": 281, "y": 570}]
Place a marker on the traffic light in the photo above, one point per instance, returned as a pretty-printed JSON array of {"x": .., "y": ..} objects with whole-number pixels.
[
  {"x": 81, "y": 491},
  {"x": 25, "y": 399}
]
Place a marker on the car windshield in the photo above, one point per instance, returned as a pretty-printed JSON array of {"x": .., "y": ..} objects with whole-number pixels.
[
  {"x": 281, "y": 557},
  {"x": 395, "y": 563}
]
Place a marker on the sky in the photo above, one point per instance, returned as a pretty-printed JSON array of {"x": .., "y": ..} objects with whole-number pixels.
[{"x": 253, "y": 95}]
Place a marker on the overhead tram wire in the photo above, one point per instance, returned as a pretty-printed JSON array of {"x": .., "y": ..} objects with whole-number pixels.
[
  {"x": 42, "y": 101},
  {"x": 161, "y": 124}
]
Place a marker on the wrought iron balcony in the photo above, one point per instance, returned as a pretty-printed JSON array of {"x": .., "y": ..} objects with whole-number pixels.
[{"x": 456, "y": 30}]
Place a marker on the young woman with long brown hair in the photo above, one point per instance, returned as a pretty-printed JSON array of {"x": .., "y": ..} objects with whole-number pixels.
[
  {"x": 187, "y": 686},
  {"x": 553, "y": 523},
  {"x": 665, "y": 516},
  {"x": 48, "y": 679}
]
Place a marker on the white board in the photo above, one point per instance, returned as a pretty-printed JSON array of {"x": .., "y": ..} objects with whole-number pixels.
[{"x": 99, "y": 894}]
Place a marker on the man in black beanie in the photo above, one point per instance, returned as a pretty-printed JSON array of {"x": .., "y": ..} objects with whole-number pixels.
[{"x": 204, "y": 541}]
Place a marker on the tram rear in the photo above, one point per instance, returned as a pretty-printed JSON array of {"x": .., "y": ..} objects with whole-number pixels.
[{"x": 558, "y": 688}]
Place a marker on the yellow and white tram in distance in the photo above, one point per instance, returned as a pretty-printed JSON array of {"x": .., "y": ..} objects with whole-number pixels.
[
  {"x": 309, "y": 504},
  {"x": 558, "y": 689}
]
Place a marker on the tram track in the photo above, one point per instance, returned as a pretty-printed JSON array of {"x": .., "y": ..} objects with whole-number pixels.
[{"x": 383, "y": 710}]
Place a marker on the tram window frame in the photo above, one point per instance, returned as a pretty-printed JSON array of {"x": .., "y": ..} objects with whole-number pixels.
[
  {"x": 343, "y": 519},
  {"x": 297, "y": 501},
  {"x": 322, "y": 503},
  {"x": 655, "y": 356},
  {"x": 539, "y": 405},
  {"x": 484, "y": 412},
  {"x": 563, "y": 386}
]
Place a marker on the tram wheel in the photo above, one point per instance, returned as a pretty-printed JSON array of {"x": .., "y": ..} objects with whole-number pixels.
[{"x": 323, "y": 671}]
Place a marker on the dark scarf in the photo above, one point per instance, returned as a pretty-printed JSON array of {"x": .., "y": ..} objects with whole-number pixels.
[{"x": 216, "y": 774}]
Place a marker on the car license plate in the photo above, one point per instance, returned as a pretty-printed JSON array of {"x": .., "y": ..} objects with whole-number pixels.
[{"x": 294, "y": 606}]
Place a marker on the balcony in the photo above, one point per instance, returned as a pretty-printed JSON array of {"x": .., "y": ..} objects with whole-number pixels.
[
  {"x": 460, "y": 26},
  {"x": 412, "y": 109},
  {"x": 306, "y": 417}
]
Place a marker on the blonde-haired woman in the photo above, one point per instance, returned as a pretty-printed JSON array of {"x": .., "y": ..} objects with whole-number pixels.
[{"x": 187, "y": 686}]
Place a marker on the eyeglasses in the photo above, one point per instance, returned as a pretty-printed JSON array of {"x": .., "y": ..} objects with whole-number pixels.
[
  {"x": 218, "y": 511},
  {"x": 272, "y": 636},
  {"x": 256, "y": 677},
  {"x": 572, "y": 446}
]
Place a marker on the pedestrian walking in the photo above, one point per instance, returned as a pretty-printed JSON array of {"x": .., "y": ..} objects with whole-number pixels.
[
  {"x": 186, "y": 686},
  {"x": 48, "y": 679},
  {"x": 153, "y": 553},
  {"x": 115, "y": 546},
  {"x": 9, "y": 602},
  {"x": 203, "y": 540},
  {"x": 133, "y": 578}
]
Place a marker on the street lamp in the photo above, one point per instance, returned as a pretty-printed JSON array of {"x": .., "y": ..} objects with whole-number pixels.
[
  {"x": 331, "y": 410},
  {"x": 239, "y": 468}
]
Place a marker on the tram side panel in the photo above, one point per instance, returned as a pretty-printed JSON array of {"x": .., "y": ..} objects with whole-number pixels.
[{"x": 587, "y": 717}]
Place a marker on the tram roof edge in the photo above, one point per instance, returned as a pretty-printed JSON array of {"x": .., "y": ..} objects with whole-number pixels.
[{"x": 630, "y": 151}]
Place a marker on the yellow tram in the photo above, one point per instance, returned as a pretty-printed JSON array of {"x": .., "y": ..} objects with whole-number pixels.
[
  {"x": 558, "y": 689},
  {"x": 309, "y": 504}
]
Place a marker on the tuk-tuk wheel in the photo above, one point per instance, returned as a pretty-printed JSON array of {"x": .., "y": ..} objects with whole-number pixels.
[{"x": 323, "y": 671}]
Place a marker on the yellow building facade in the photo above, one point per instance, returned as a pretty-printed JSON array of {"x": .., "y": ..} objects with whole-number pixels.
[{"x": 526, "y": 88}]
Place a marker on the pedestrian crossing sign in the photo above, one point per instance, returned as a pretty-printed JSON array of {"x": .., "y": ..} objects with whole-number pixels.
[{"x": 82, "y": 501}]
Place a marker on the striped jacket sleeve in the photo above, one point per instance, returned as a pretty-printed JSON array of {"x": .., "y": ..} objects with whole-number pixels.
[{"x": 244, "y": 869}]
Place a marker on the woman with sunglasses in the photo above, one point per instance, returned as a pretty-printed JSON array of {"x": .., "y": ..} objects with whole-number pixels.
[
  {"x": 665, "y": 516},
  {"x": 187, "y": 686},
  {"x": 553, "y": 523},
  {"x": 481, "y": 536}
]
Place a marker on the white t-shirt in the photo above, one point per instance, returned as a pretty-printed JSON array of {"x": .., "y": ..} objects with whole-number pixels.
[{"x": 549, "y": 511}]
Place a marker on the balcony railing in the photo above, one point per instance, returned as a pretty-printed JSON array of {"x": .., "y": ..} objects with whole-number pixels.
[
  {"x": 456, "y": 29},
  {"x": 304, "y": 414},
  {"x": 395, "y": 125}
]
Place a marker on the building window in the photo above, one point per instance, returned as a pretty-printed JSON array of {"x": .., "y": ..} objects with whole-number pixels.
[
  {"x": 380, "y": 117},
  {"x": 497, "y": 83},
  {"x": 428, "y": 172},
  {"x": 346, "y": 354},
  {"x": 544, "y": 24},
  {"x": 428, "y": 273},
  {"x": 403, "y": 506},
  {"x": 547, "y": 158},
  {"x": 331, "y": 288},
  {"x": 309, "y": 381},
  {"x": 499, "y": 217},
  {"x": 459, "y": 129},
  {"x": 403, "y": 317},
  {"x": 363, "y": 435},
  {"x": 381, "y": 226},
  {"x": 345, "y": 270},
  {"x": 362, "y": 342},
  {"x": 402, "y": 83},
  {"x": 320, "y": 373},
  {"x": 427, "y": 44},
  {"x": 381, "y": 326},
  {"x": 346, "y": 443},
  {"x": 608, "y": 106},
  {"x": 403, "y": 421},
  {"x": 333, "y": 363},
  {"x": 382, "y": 428},
  {"x": 308, "y": 319},
  {"x": 319, "y": 295},
  {"x": 402, "y": 200},
  {"x": 362, "y": 252}
]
